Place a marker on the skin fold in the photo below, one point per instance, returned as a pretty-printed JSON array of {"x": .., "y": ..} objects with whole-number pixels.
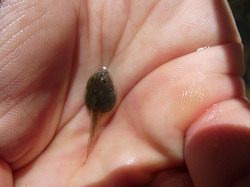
[{"x": 181, "y": 116}]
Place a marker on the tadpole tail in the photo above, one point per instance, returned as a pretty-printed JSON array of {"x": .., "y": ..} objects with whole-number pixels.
[{"x": 93, "y": 133}]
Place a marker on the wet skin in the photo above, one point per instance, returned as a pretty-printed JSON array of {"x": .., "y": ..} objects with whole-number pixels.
[{"x": 100, "y": 98}]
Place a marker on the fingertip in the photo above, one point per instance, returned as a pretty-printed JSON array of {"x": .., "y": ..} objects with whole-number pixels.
[
  {"x": 175, "y": 177},
  {"x": 218, "y": 156},
  {"x": 216, "y": 149},
  {"x": 6, "y": 177}
]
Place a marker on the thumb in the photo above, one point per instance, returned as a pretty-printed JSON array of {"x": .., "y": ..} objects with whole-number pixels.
[{"x": 217, "y": 146}]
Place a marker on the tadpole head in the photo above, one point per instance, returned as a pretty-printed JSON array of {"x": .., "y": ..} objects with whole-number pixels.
[{"x": 100, "y": 92}]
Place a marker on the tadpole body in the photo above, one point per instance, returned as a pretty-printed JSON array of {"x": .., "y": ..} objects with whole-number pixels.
[{"x": 100, "y": 97}]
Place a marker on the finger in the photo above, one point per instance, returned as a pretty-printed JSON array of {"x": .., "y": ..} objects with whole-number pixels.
[
  {"x": 167, "y": 31},
  {"x": 6, "y": 178},
  {"x": 35, "y": 59},
  {"x": 216, "y": 146},
  {"x": 172, "y": 177}
]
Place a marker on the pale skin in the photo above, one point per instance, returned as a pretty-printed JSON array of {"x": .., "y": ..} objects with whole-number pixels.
[{"x": 178, "y": 111}]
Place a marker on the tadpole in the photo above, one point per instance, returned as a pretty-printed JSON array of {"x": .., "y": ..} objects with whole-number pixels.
[{"x": 100, "y": 97}]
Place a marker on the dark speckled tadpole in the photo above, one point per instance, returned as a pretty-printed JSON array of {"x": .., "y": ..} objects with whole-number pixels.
[{"x": 100, "y": 98}]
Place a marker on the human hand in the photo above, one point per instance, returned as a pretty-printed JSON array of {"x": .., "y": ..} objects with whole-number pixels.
[{"x": 178, "y": 111}]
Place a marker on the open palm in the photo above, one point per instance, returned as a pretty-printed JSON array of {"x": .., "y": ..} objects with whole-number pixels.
[{"x": 176, "y": 66}]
